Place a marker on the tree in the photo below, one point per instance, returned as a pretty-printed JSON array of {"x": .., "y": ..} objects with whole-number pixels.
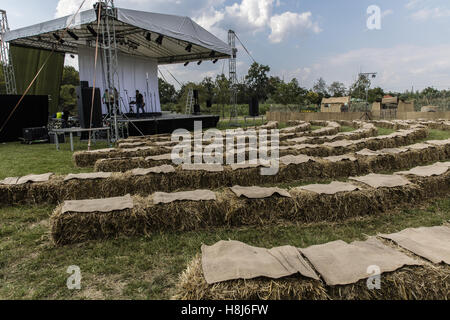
[
  {"x": 376, "y": 94},
  {"x": 313, "y": 97},
  {"x": 358, "y": 89},
  {"x": 320, "y": 87},
  {"x": 70, "y": 76},
  {"x": 208, "y": 88},
  {"x": 67, "y": 97},
  {"x": 222, "y": 91},
  {"x": 167, "y": 92},
  {"x": 242, "y": 93},
  {"x": 257, "y": 81},
  {"x": 337, "y": 89}
]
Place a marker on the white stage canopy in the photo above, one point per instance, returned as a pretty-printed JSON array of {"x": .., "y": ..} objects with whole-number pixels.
[
  {"x": 139, "y": 52},
  {"x": 132, "y": 31}
]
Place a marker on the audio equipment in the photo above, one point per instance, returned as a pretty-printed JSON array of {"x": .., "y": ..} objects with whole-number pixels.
[
  {"x": 84, "y": 96},
  {"x": 31, "y": 113},
  {"x": 254, "y": 107}
]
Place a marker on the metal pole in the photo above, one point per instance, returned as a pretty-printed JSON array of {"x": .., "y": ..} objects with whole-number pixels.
[
  {"x": 233, "y": 75},
  {"x": 366, "y": 115},
  {"x": 108, "y": 16}
]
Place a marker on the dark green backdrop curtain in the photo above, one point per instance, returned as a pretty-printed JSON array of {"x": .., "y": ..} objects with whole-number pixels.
[{"x": 27, "y": 62}]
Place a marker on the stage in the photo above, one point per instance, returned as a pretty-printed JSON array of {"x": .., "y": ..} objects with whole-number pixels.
[{"x": 164, "y": 123}]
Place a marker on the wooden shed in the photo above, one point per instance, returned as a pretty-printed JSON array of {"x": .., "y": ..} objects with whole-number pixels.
[{"x": 337, "y": 104}]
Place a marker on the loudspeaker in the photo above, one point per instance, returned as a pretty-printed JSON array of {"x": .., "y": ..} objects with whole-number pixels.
[
  {"x": 84, "y": 96},
  {"x": 254, "y": 107},
  {"x": 196, "y": 109},
  {"x": 196, "y": 94},
  {"x": 31, "y": 113},
  {"x": 84, "y": 84},
  {"x": 209, "y": 104}
]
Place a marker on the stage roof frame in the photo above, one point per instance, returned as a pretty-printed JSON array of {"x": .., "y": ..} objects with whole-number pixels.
[{"x": 132, "y": 28}]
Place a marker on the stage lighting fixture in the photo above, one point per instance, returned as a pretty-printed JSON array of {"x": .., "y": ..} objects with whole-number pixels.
[
  {"x": 200, "y": 62},
  {"x": 72, "y": 56},
  {"x": 73, "y": 35},
  {"x": 186, "y": 64},
  {"x": 189, "y": 48},
  {"x": 92, "y": 31},
  {"x": 58, "y": 38},
  {"x": 148, "y": 36},
  {"x": 212, "y": 54},
  {"x": 215, "y": 61},
  {"x": 160, "y": 39}
]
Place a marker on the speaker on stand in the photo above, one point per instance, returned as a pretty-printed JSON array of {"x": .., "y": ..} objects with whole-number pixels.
[
  {"x": 254, "y": 107},
  {"x": 84, "y": 95},
  {"x": 196, "y": 103}
]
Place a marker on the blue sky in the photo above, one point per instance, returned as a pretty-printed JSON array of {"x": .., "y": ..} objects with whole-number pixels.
[{"x": 305, "y": 39}]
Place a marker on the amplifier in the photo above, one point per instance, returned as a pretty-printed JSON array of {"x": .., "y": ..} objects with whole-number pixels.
[{"x": 33, "y": 134}]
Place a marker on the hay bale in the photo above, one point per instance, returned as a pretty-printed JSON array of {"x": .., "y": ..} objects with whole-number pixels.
[
  {"x": 85, "y": 159},
  {"x": 408, "y": 283},
  {"x": 56, "y": 190},
  {"x": 228, "y": 210},
  {"x": 192, "y": 286}
]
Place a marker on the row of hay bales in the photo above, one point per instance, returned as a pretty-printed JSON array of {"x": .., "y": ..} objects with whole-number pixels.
[
  {"x": 339, "y": 147},
  {"x": 131, "y": 142},
  {"x": 422, "y": 274},
  {"x": 365, "y": 131},
  {"x": 168, "y": 178},
  {"x": 442, "y": 124},
  {"x": 336, "y": 148},
  {"x": 248, "y": 206},
  {"x": 151, "y": 147},
  {"x": 403, "y": 124}
]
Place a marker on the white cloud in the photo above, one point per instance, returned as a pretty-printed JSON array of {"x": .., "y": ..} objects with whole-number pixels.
[
  {"x": 430, "y": 13},
  {"x": 68, "y": 7},
  {"x": 387, "y": 13},
  {"x": 290, "y": 23},
  {"x": 411, "y": 4},
  {"x": 398, "y": 67},
  {"x": 256, "y": 16},
  {"x": 242, "y": 16},
  {"x": 253, "y": 13}
]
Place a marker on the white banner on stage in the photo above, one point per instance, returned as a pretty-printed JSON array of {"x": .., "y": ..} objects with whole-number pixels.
[{"x": 135, "y": 73}]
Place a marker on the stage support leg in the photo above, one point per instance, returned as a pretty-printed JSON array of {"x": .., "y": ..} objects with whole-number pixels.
[
  {"x": 56, "y": 141},
  {"x": 109, "y": 138},
  {"x": 71, "y": 142}
]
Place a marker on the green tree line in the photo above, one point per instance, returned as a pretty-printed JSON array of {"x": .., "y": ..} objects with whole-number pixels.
[{"x": 269, "y": 90}]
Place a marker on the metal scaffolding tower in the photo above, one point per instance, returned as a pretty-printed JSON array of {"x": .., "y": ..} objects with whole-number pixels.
[
  {"x": 233, "y": 74},
  {"x": 5, "y": 56},
  {"x": 108, "y": 15}
]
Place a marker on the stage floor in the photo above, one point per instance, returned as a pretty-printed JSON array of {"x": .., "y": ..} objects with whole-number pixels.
[{"x": 166, "y": 123}]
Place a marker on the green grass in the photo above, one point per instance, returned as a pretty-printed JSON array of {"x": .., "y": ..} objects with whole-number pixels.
[
  {"x": 240, "y": 123},
  {"x": 384, "y": 131},
  {"x": 347, "y": 129},
  {"x": 149, "y": 267},
  {"x": 19, "y": 160},
  {"x": 31, "y": 267},
  {"x": 438, "y": 135}
]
